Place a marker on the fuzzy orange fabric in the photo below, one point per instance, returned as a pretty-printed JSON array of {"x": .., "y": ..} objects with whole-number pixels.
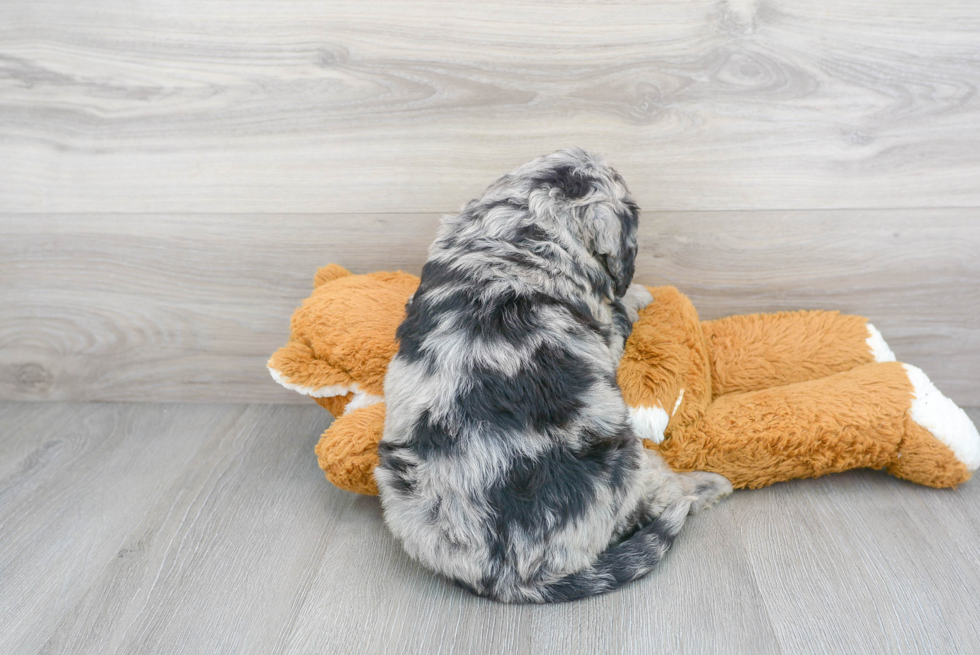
[
  {"x": 667, "y": 352},
  {"x": 759, "y": 398},
  {"x": 799, "y": 430},
  {"x": 348, "y": 450},
  {"x": 326, "y": 358},
  {"x": 757, "y": 351},
  {"x": 925, "y": 460}
]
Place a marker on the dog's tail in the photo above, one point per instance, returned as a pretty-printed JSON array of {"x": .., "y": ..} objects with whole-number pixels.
[{"x": 627, "y": 561}]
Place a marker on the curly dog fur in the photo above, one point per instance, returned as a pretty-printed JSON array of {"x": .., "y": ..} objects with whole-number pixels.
[{"x": 508, "y": 463}]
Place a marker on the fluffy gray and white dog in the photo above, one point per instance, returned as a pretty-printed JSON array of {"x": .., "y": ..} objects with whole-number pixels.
[{"x": 508, "y": 462}]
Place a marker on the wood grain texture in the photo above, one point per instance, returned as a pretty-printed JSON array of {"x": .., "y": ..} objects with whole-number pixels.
[
  {"x": 171, "y": 307},
  {"x": 233, "y": 542},
  {"x": 241, "y": 530},
  {"x": 663, "y": 614},
  {"x": 313, "y": 106},
  {"x": 862, "y": 545},
  {"x": 188, "y": 307},
  {"x": 65, "y": 510}
]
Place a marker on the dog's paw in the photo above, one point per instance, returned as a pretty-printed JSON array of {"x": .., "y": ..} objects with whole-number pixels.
[
  {"x": 637, "y": 297},
  {"x": 707, "y": 489}
]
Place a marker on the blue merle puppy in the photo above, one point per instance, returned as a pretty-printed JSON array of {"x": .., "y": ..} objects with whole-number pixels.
[{"x": 508, "y": 463}]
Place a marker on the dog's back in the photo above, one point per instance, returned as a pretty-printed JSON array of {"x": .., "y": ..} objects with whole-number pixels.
[{"x": 508, "y": 463}]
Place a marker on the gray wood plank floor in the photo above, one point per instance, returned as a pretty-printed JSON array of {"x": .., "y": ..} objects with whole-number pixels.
[{"x": 129, "y": 528}]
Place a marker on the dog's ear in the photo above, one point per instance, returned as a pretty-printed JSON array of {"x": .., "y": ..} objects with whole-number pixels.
[{"x": 612, "y": 233}]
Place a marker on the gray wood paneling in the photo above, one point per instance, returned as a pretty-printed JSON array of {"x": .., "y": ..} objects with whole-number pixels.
[
  {"x": 209, "y": 528},
  {"x": 171, "y": 307},
  {"x": 189, "y": 307},
  {"x": 330, "y": 106}
]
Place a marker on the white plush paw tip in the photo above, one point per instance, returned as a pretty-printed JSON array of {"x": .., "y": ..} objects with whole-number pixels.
[
  {"x": 878, "y": 346},
  {"x": 943, "y": 418},
  {"x": 649, "y": 422}
]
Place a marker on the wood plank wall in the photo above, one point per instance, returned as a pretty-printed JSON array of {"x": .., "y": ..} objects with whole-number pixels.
[{"x": 171, "y": 174}]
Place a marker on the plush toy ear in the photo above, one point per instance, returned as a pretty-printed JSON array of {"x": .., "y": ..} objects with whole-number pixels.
[{"x": 328, "y": 273}]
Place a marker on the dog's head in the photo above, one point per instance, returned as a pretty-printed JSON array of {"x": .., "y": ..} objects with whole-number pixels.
[
  {"x": 571, "y": 197},
  {"x": 583, "y": 194}
]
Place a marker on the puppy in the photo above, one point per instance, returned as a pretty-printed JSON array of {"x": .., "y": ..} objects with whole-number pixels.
[{"x": 508, "y": 463}]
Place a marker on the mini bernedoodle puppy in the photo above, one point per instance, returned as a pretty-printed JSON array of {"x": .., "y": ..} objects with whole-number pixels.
[{"x": 508, "y": 462}]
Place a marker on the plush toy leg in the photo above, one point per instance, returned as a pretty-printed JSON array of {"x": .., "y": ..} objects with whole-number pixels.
[
  {"x": 335, "y": 404},
  {"x": 862, "y": 418},
  {"x": 759, "y": 351},
  {"x": 941, "y": 446},
  {"x": 348, "y": 450}
]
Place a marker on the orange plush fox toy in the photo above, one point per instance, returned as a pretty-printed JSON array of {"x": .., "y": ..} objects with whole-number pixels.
[{"x": 758, "y": 398}]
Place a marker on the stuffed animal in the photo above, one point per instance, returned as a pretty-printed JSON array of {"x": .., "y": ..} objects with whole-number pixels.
[{"x": 758, "y": 398}]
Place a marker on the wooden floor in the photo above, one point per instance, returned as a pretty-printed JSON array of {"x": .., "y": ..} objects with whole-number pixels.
[{"x": 133, "y": 528}]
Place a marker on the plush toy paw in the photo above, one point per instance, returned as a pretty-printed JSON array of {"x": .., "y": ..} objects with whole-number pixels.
[
  {"x": 943, "y": 418},
  {"x": 348, "y": 450},
  {"x": 941, "y": 446}
]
